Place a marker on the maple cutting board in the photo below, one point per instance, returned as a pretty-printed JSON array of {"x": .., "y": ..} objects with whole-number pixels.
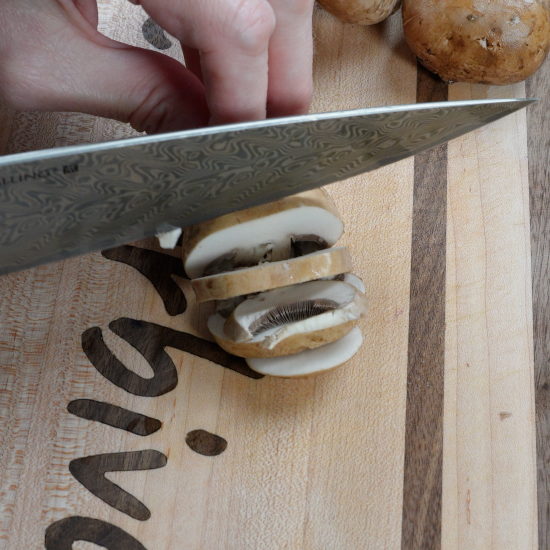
[{"x": 121, "y": 424}]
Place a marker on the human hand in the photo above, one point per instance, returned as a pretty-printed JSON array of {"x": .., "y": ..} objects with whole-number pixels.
[{"x": 246, "y": 59}]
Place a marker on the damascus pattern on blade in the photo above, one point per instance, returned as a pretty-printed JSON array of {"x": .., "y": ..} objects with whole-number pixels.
[{"x": 60, "y": 206}]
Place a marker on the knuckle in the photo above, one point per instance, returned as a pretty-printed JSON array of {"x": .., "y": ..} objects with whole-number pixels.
[
  {"x": 252, "y": 25},
  {"x": 151, "y": 113}
]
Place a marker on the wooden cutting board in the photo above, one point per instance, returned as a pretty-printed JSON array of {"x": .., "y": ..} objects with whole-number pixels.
[{"x": 121, "y": 424}]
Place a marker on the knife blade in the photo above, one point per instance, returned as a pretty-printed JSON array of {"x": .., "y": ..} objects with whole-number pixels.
[{"x": 62, "y": 202}]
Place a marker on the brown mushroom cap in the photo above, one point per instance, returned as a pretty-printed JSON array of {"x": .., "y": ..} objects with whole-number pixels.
[
  {"x": 483, "y": 41},
  {"x": 362, "y": 12}
]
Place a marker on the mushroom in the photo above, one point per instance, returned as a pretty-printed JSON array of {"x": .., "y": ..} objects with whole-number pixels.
[
  {"x": 363, "y": 12},
  {"x": 261, "y": 233},
  {"x": 280, "y": 289},
  {"x": 290, "y": 319},
  {"x": 266, "y": 276},
  {"x": 290, "y": 345},
  {"x": 483, "y": 41},
  {"x": 351, "y": 279},
  {"x": 311, "y": 362}
]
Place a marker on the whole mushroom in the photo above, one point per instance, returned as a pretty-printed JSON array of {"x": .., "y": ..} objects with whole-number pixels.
[
  {"x": 478, "y": 41},
  {"x": 362, "y": 12}
]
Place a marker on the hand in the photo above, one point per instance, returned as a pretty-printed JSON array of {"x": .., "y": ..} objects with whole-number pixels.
[{"x": 246, "y": 59}]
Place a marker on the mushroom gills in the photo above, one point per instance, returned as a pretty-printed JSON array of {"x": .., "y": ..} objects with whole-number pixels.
[
  {"x": 330, "y": 302},
  {"x": 291, "y": 313},
  {"x": 310, "y": 362}
]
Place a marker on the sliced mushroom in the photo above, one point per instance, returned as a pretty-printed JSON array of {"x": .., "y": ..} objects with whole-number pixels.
[
  {"x": 273, "y": 275},
  {"x": 290, "y": 319},
  {"x": 311, "y": 362},
  {"x": 261, "y": 233},
  {"x": 482, "y": 41},
  {"x": 294, "y": 343},
  {"x": 363, "y": 12},
  {"x": 351, "y": 279}
]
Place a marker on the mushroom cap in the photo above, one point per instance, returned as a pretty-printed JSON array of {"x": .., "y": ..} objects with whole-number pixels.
[
  {"x": 363, "y": 12},
  {"x": 311, "y": 362},
  {"x": 482, "y": 41},
  {"x": 295, "y": 343},
  {"x": 308, "y": 213},
  {"x": 323, "y": 263}
]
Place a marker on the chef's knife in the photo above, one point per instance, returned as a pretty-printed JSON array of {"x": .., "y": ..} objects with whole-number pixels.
[{"x": 59, "y": 203}]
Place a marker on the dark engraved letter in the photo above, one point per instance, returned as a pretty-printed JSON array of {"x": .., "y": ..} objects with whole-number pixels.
[
  {"x": 90, "y": 471},
  {"x": 151, "y": 339},
  {"x": 205, "y": 443},
  {"x": 165, "y": 376},
  {"x": 155, "y": 35},
  {"x": 158, "y": 268},
  {"x": 114, "y": 416},
  {"x": 61, "y": 534}
]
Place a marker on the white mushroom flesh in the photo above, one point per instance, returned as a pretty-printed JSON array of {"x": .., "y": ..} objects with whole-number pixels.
[
  {"x": 313, "y": 361},
  {"x": 277, "y": 314},
  {"x": 169, "y": 239},
  {"x": 263, "y": 239},
  {"x": 355, "y": 281}
]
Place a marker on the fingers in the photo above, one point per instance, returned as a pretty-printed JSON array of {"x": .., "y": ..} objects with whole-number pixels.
[
  {"x": 291, "y": 58},
  {"x": 255, "y": 55},
  {"x": 236, "y": 76},
  {"x": 192, "y": 61},
  {"x": 152, "y": 91},
  {"x": 233, "y": 38},
  {"x": 88, "y": 8}
]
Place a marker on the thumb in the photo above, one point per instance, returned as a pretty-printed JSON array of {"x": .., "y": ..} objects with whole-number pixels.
[{"x": 150, "y": 90}]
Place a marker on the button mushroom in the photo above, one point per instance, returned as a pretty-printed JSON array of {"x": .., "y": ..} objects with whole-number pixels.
[
  {"x": 483, "y": 41},
  {"x": 280, "y": 288},
  {"x": 363, "y": 12}
]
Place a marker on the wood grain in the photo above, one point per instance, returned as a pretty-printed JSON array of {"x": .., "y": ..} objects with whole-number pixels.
[
  {"x": 308, "y": 463},
  {"x": 538, "y": 124},
  {"x": 422, "y": 490},
  {"x": 489, "y": 441}
]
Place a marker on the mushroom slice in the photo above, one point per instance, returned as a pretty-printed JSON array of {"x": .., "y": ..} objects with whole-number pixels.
[
  {"x": 283, "y": 312},
  {"x": 351, "y": 279},
  {"x": 363, "y": 12},
  {"x": 273, "y": 275},
  {"x": 261, "y": 233},
  {"x": 311, "y": 362},
  {"x": 294, "y": 343}
]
